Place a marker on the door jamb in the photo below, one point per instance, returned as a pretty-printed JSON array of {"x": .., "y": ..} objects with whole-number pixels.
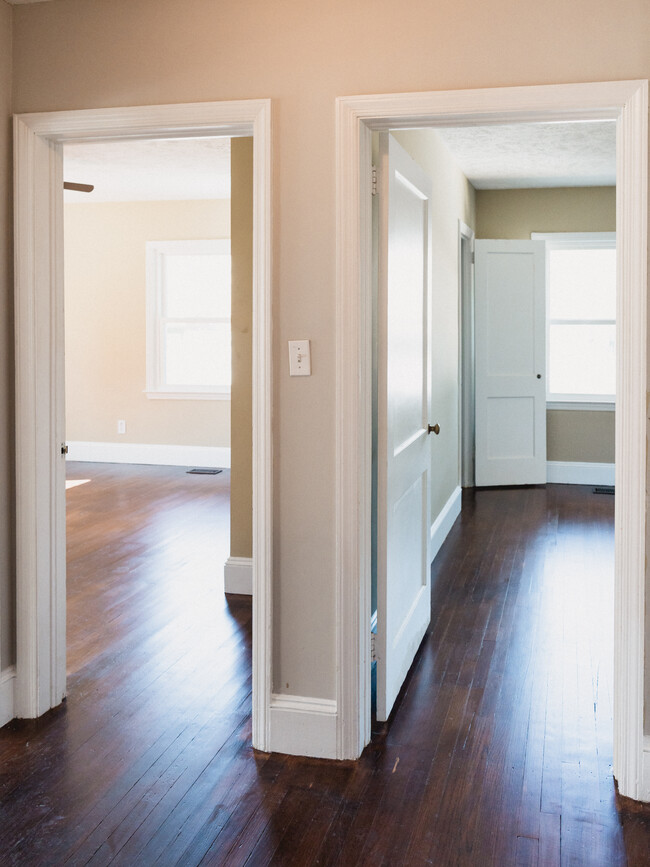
[
  {"x": 40, "y": 423},
  {"x": 466, "y": 239},
  {"x": 626, "y": 102}
]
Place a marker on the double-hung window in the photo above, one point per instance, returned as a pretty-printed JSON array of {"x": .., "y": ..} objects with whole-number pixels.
[
  {"x": 581, "y": 319},
  {"x": 188, "y": 319}
]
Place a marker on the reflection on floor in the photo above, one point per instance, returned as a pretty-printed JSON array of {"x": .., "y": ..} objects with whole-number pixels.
[{"x": 499, "y": 752}]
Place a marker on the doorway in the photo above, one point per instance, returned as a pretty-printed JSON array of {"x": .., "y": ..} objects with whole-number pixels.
[
  {"x": 148, "y": 292},
  {"x": 40, "y": 678},
  {"x": 625, "y": 102}
]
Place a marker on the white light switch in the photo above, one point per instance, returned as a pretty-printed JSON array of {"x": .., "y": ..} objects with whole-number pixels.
[{"x": 299, "y": 358}]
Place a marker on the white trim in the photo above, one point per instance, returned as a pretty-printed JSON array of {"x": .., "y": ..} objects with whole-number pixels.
[
  {"x": 579, "y": 473},
  {"x": 466, "y": 384},
  {"x": 7, "y": 683},
  {"x": 40, "y": 490},
  {"x": 623, "y": 101},
  {"x": 147, "y": 453},
  {"x": 585, "y": 405},
  {"x": 576, "y": 240},
  {"x": 644, "y": 794},
  {"x": 238, "y": 575},
  {"x": 303, "y": 726},
  {"x": 444, "y": 522}
]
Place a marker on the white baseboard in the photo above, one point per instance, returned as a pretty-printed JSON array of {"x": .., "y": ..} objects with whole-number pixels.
[
  {"x": 444, "y": 522},
  {"x": 303, "y": 726},
  {"x": 577, "y": 473},
  {"x": 144, "y": 453},
  {"x": 644, "y": 794},
  {"x": 238, "y": 575},
  {"x": 7, "y": 680}
]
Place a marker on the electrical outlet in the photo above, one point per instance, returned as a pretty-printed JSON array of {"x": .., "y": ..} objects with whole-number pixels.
[{"x": 121, "y": 426}]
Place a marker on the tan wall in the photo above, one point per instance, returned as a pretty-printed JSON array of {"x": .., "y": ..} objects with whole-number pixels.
[
  {"x": 241, "y": 417},
  {"x": 513, "y": 214},
  {"x": 105, "y": 310},
  {"x": 453, "y": 200},
  {"x": 73, "y": 54},
  {"x": 574, "y": 435},
  {"x": 7, "y": 572}
]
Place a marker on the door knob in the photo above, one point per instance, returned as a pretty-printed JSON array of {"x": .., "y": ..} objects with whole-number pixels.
[{"x": 434, "y": 428}]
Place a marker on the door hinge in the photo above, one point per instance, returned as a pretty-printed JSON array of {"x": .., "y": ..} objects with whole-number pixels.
[
  {"x": 375, "y": 175},
  {"x": 64, "y": 448},
  {"x": 473, "y": 258}
]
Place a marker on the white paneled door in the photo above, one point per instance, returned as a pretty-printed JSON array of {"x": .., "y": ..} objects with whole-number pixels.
[
  {"x": 510, "y": 353},
  {"x": 403, "y": 579}
]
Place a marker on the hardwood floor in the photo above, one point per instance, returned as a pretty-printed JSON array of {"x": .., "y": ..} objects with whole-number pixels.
[{"x": 499, "y": 752}]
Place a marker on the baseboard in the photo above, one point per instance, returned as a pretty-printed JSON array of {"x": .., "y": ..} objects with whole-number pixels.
[
  {"x": 7, "y": 681},
  {"x": 303, "y": 726},
  {"x": 578, "y": 473},
  {"x": 644, "y": 794},
  {"x": 144, "y": 453},
  {"x": 238, "y": 575},
  {"x": 444, "y": 522}
]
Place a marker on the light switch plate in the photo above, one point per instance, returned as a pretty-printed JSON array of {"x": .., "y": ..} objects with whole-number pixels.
[{"x": 299, "y": 358}]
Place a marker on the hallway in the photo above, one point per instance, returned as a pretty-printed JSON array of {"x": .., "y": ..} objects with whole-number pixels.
[{"x": 499, "y": 752}]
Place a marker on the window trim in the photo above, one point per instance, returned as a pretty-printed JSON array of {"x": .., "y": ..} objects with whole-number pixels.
[
  {"x": 574, "y": 241},
  {"x": 155, "y": 250}
]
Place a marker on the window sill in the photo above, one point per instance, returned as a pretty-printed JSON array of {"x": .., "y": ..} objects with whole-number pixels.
[
  {"x": 188, "y": 395},
  {"x": 585, "y": 405}
]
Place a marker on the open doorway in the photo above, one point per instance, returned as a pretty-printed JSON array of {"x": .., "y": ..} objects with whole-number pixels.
[
  {"x": 149, "y": 308},
  {"x": 624, "y": 102},
  {"x": 520, "y": 178},
  {"x": 40, "y": 678}
]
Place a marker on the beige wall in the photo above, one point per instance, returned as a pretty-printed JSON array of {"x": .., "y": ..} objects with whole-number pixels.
[
  {"x": 7, "y": 571},
  {"x": 453, "y": 200},
  {"x": 514, "y": 214},
  {"x": 582, "y": 435},
  {"x": 571, "y": 435},
  {"x": 105, "y": 323},
  {"x": 241, "y": 417},
  {"x": 72, "y": 54}
]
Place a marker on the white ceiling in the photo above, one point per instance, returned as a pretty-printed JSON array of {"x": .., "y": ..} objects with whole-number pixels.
[
  {"x": 146, "y": 170},
  {"x": 535, "y": 154}
]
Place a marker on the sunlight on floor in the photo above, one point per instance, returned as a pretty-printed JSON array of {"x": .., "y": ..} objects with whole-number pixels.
[{"x": 72, "y": 483}]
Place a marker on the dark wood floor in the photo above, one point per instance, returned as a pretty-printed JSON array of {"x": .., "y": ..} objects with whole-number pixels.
[{"x": 499, "y": 752}]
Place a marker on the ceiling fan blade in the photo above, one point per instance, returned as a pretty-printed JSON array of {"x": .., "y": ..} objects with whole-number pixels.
[{"x": 80, "y": 188}]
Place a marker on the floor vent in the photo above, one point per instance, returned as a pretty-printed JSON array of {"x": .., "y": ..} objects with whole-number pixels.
[
  {"x": 204, "y": 471},
  {"x": 606, "y": 489}
]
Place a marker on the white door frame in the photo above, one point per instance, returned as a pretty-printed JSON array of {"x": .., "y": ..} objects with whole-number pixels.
[
  {"x": 466, "y": 383},
  {"x": 627, "y": 103},
  {"x": 40, "y": 424}
]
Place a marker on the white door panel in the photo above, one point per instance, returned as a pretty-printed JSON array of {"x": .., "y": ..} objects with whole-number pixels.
[
  {"x": 403, "y": 583},
  {"x": 510, "y": 348}
]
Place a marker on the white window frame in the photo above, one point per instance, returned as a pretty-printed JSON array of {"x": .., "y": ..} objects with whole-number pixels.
[
  {"x": 574, "y": 241},
  {"x": 155, "y": 250}
]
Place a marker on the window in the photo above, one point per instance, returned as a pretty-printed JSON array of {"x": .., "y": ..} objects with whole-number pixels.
[
  {"x": 188, "y": 319},
  {"x": 581, "y": 318}
]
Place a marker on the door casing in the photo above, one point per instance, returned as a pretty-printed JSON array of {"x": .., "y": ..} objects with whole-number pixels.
[
  {"x": 40, "y": 424},
  {"x": 626, "y": 102}
]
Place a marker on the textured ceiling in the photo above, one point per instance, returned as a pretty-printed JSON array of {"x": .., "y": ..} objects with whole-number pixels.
[
  {"x": 131, "y": 171},
  {"x": 492, "y": 157},
  {"x": 535, "y": 154}
]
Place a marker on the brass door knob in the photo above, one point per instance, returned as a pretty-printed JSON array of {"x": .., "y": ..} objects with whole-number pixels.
[{"x": 434, "y": 428}]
